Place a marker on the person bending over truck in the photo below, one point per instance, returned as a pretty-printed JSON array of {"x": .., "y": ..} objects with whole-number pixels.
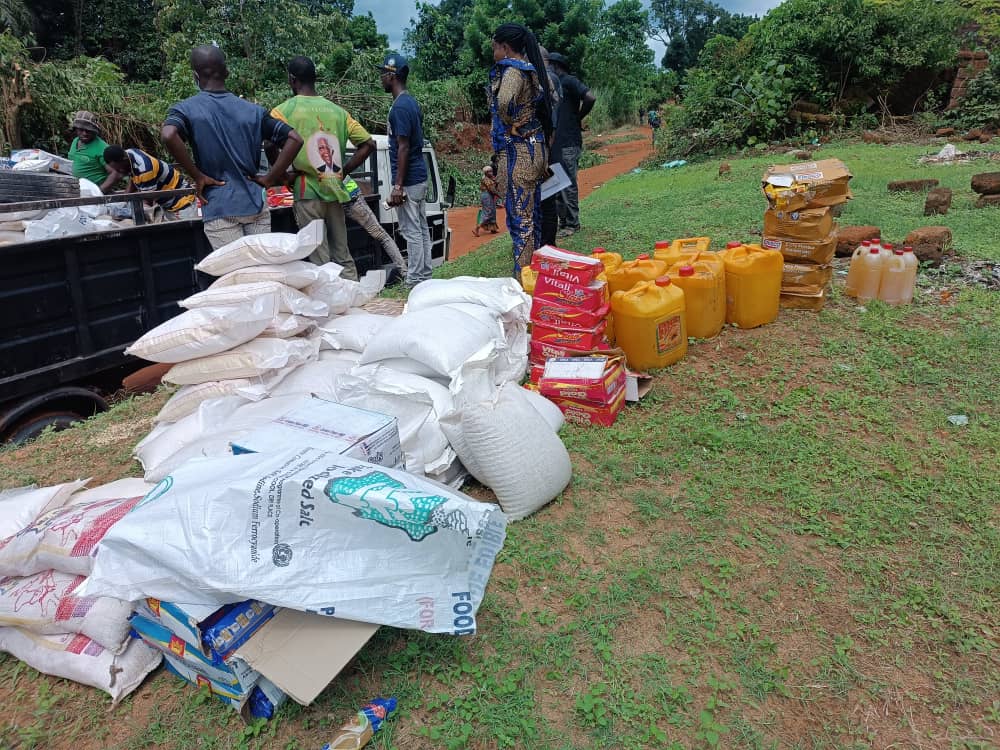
[
  {"x": 87, "y": 153},
  {"x": 409, "y": 172},
  {"x": 146, "y": 173},
  {"x": 320, "y": 167},
  {"x": 226, "y": 133}
]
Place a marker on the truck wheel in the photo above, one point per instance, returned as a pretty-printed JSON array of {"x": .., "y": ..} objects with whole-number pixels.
[{"x": 34, "y": 425}]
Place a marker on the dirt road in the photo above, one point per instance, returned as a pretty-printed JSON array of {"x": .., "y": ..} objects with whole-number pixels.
[{"x": 621, "y": 157}]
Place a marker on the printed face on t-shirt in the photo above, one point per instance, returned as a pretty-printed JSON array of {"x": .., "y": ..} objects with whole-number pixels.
[{"x": 322, "y": 150}]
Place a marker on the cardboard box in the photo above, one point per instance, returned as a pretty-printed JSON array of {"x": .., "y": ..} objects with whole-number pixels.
[
  {"x": 552, "y": 314},
  {"x": 805, "y": 275},
  {"x": 580, "y": 338},
  {"x": 329, "y": 426},
  {"x": 810, "y": 184},
  {"x": 637, "y": 385},
  {"x": 588, "y": 413},
  {"x": 803, "y": 251},
  {"x": 261, "y": 700},
  {"x": 593, "y": 379},
  {"x": 797, "y": 301},
  {"x": 567, "y": 266},
  {"x": 804, "y": 224},
  {"x": 539, "y": 352},
  {"x": 214, "y": 631},
  {"x": 591, "y": 297}
]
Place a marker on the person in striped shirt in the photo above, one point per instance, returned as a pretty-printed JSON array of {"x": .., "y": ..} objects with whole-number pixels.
[{"x": 147, "y": 173}]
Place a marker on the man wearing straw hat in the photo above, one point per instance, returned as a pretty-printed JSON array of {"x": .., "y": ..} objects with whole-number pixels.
[{"x": 87, "y": 153}]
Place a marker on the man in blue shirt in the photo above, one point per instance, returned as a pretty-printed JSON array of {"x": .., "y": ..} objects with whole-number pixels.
[
  {"x": 409, "y": 172},
  {"x": 226, "y": 134}
]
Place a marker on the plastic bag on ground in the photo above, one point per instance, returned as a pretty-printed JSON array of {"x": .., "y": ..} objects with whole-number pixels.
[
  {"x": 47, "y": 603},
  {"x": 342, "y": 294},
  {"x": 263, "y": 249},
  {"x": 504, "y": 297},
  {"x": 76, "y": 657},
  {"x": 352, "y": 330},
  {"x": 311, "y": 531},
  {"x": 254, "y": 359},
  {"x": 62, "y": 539},
  {"x": 20, "y": 507},
  {"x": 205, "y": 331},
  {"x": 510, "y": 448},
  {"x": 416, "y": 402},
  {"x": 297, "y": 274},
  {"x": 289, "y": 300},
  {"x": 435, "y": 342}
]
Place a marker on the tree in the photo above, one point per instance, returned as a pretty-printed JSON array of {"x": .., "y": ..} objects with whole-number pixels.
[
  {"x": 436, "y": 39},
  {"x": 15, "y": 18},
  {"x": 619, "y": 63},
  {"x": 684, "y": 26}
]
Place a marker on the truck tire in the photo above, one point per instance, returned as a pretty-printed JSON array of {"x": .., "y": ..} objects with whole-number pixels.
[
  {"x": 16, "y": 187},
  {"x": 34, "y": 425}
]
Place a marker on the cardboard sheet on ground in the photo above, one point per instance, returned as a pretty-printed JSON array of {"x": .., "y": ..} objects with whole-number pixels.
[{"x": 308, "y": 530}]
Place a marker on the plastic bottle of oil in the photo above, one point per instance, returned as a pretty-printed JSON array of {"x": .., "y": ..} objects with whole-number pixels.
[
  {"x": 886, "y": 251},
  {"x": 753, "y": 284},
  {"x": 893, "y": 283},
  {"x": 610, "y": 260},
  {"x": 912, "y": 266},
  {"x": 869, "y": 274},
  {"x": 851, "y": 286},
  {"x": 650, "y": 323},
  {"x": 704, "y": 285},
  {"x": 631, "y": 272}
]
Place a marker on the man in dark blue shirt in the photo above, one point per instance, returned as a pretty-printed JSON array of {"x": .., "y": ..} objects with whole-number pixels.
[
  {"x": 226, "y": 133},
  {"x": 409, "y": 172},
  {"x": 577, "y": 101}
]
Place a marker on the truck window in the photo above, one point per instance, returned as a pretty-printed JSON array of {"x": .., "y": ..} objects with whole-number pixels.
[
  {"x": 367, "y": 174},
  {"x": 432, "y": 195}
]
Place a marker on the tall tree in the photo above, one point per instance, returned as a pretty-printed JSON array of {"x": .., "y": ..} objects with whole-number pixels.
[
  {"x": 619, "y": 63},
  {"x": 683, "y": 26},
  {"x": 15, "y": 18},
  {"x": 436, "y": 38}
]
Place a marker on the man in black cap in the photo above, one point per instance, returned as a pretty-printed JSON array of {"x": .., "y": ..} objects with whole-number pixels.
[
  {"x": 409, "y": 173},
  {"x": 577, "y": 101}
]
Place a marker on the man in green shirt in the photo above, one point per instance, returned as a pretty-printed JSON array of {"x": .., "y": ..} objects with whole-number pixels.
[
  {"x": 87, "y": 153},
  {"x": 320, "y": 165}
]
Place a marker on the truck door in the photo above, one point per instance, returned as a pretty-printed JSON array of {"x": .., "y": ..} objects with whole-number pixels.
[{"x": 437, "y": 217}]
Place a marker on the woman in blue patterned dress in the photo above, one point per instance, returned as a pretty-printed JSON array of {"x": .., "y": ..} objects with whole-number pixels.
[{"x": 522, "y": 123}]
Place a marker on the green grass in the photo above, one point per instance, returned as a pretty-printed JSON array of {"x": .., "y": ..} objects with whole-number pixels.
[{"x": 785, "y": 545}]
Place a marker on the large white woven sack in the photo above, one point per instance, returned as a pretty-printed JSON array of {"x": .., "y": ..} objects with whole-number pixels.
[
  {"x": 188, "y": 397},
  {"x": 20, "y": 507},
  {"x": 504, "y": 297},
  {"x": 128, "y": 487},
  {"x": 289, "y": 300},
  {"x": 254, "y": 359},
  {"x": 285, "y": 325},
  {"x": 76, "y": 657},
  {"x": 353, "y": 330},
  {"x": 297, "y": 274},
  {"x": 416, "y": 402},
  {"x": 510, "y": 448},
  {"x": 435, "y": 342},
  {"x": 342, "y": 294},
  {"x": 62, "y": 539},
  {"x": 263, "y": 249},
  {"x": 206, "y": 331},
  {"x": 318, "y": 377},
  {"x": 309, "y": 530},
  {"x": 551, "y": 413},
  {"x": 47, "y": 603}
]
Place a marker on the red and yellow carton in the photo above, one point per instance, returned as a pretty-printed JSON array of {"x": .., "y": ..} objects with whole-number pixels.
[
  {"x": 589, "y": 413},
  {"x": 551, "y": 314},
  {"x": 580, "y": 338},
  {"x": 593, "y": 379},
  {"x": 591, "y": 297},
  {"x": 539, "y": 351},
  {"x": 566, "y": 266},
  {"x": 535, "y": 373}
]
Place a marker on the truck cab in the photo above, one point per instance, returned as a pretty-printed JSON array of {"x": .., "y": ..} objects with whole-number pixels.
[{"x": 70, "y": 305}]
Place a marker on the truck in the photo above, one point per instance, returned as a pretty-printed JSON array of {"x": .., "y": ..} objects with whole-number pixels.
[{"x": 70, "y": 305}]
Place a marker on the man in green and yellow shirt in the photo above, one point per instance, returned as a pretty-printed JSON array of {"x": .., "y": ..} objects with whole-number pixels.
[
  {"x": 87, "y": 153},
  {"x": 320, "y": 165}
]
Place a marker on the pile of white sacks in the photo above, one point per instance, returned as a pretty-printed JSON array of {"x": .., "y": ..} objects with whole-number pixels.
[{"x": 274, "y": 327}]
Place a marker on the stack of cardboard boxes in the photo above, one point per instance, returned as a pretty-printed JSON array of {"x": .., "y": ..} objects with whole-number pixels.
[
  {"x": 589, "y": 390},
  {"x": 569, "y": 307},
  {"x": 799, "y": 222}
]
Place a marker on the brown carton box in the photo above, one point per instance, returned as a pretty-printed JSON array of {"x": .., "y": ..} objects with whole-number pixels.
[
  {"x": 819, "y": 252},
  {"x": 796, "y": 301},
  {"x": 809, "y": 184},
  {"x": 808, "y": 276},
  {"x": 802, "y": 224}
]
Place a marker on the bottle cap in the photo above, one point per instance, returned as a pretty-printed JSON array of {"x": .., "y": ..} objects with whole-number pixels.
[
  {"x": 887, "y": 246},
  {"x": 686, "y": 271},
  {"x": 663, "y": 281},
  {"x": 661, "y": 245},
  {"x": 866, "y": 243},
  {"x": 642, "y": 256},
  {"x": 897, "y": 251},
  {"x": 907, "y": 248},
  {"x": 874, "y": 250},
  {"x": 730, "y": 245}
]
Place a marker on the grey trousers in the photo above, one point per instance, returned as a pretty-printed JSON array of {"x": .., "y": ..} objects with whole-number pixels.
[
  {"x": 413, "y": 227},
  {"x": 568, "y": 205}
]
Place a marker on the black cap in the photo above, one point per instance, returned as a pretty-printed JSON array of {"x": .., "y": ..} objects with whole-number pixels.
[
  {"x": 555, "y": 57},
  {"x": 393, "y": 63}
]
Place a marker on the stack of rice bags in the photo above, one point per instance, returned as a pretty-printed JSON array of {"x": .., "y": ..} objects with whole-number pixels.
[
  {"x": 239, "y": 339},
  {"x": 48, "y": 537}
]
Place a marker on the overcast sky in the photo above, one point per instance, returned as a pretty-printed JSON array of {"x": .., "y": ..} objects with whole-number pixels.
[{"x": 393, "y": 16}]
